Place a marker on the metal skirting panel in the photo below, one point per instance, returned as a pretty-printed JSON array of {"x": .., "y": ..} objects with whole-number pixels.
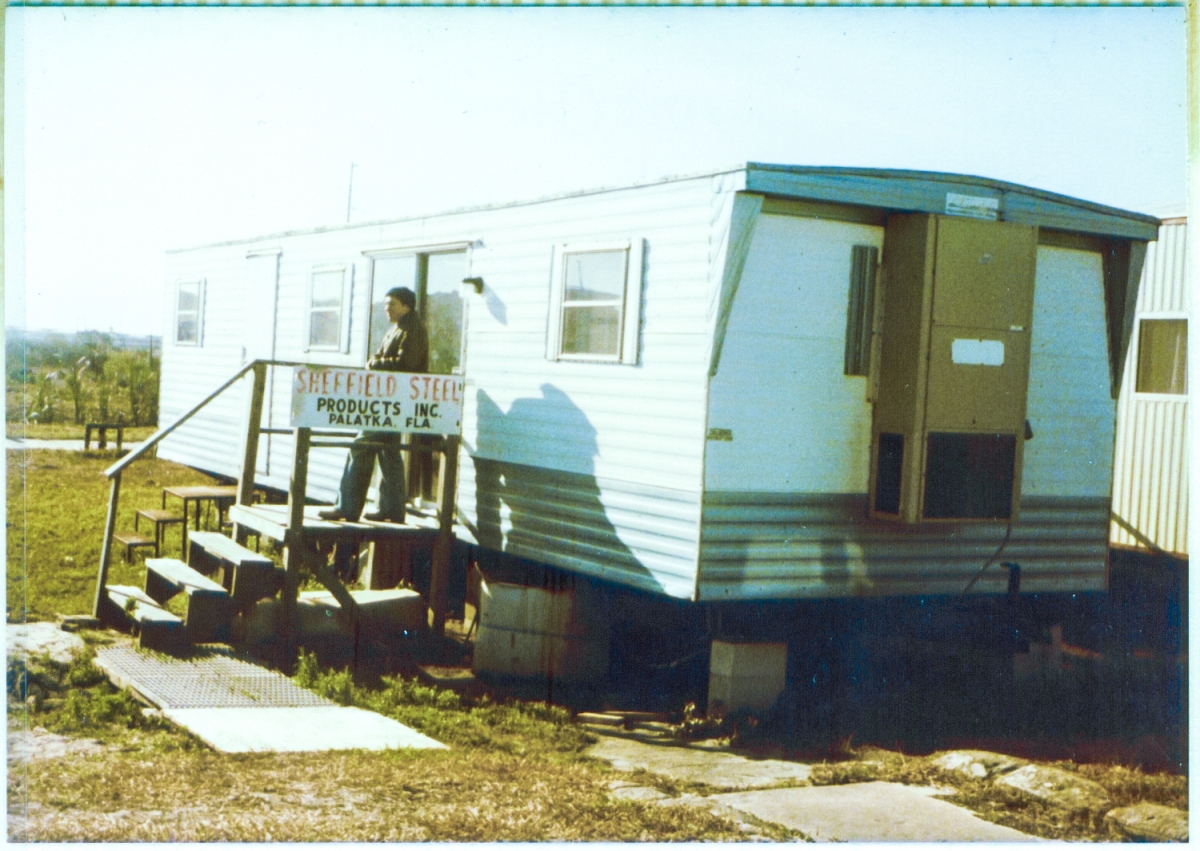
[
  {"x": 762, "y": 546},
  {"x": 630, "y": 534},
  {"x": 208, "y": 678}
]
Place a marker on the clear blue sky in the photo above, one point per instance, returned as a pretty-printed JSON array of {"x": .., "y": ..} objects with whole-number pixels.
[{"x": 133, "y": 131}]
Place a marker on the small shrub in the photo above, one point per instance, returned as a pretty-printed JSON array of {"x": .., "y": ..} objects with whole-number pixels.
[
  {"x": 93, "y": 711},
  {"x": 83, "y": 673}
]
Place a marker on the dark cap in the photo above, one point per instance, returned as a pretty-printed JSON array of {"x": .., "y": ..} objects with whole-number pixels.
[{"x": 403, "y": 295}]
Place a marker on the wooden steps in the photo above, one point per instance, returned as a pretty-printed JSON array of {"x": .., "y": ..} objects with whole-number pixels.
[
  {"x": 132, "y": 541},
  {"x": 208, "y": 608},
  {"x": 157, "y": 628},
  {"x": 246, "y": 575},
  {"x": 161, "y": 518}
]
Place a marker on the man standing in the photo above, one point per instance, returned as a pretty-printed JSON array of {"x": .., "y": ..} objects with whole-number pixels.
[{"x": 405, "y": 348}]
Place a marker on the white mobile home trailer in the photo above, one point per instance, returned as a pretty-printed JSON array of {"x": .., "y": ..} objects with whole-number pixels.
[
  {"x": 1150, "y": 487},
  {"x": 764, "y": 383}
]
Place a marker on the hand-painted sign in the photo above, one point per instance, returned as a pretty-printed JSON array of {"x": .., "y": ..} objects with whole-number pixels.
[{"x": 368, "y": 400}]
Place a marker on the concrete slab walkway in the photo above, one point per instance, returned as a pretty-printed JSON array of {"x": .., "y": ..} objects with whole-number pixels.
[
  {"x": 70, "y": 445},
  {"x": 237, "y": 706},
  {"x": 869, "y": 812},
  {"x": 292, "y": 729},
  {"x": 770, "y": 791},
  {"x": 698, "y": 764}
]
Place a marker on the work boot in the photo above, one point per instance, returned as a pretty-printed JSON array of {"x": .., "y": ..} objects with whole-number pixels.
[{"x": 332, "y": 514}]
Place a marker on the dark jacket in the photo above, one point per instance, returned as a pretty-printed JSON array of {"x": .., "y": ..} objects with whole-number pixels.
[{"x": 405, "y": 347}]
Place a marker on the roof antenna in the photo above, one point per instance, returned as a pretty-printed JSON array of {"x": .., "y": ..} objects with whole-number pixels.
[{"x": 350, "y": 193}]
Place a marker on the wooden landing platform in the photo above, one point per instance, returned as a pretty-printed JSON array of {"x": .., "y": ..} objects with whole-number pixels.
[{"x": 272, "y": 521}]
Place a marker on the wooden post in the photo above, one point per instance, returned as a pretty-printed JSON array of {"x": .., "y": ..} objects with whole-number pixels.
[
  {"x": 245, "y": 495},
  {"x": 110, "y": 526},
  {"x": 440, "y": 568},
  {"x": 293, "y": 550}
]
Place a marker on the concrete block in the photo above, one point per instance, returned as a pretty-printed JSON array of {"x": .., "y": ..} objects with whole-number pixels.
[
  {"x": 517, "y": 607},
  {"x": 510, "y": 652},
  {"x": 382, "y": 613},
  {"x": 745, "y": 676}
]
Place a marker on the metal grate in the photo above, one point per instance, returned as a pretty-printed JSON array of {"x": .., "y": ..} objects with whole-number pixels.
[{"x": 208, "y": 678}]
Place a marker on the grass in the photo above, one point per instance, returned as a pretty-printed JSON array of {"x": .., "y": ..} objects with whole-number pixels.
[
  {"x": 516, "y": 772},
  {"x": 70, "y": 431},
  {"x": 56, "y": 509}
]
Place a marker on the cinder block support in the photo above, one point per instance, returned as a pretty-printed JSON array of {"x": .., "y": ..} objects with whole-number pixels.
[{"x": 745, "y": 676}]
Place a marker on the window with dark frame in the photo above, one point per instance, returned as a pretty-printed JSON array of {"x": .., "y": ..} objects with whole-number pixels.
[
  {"x": 860, "y": 310},
  {"x": 1162, "y": 356}
]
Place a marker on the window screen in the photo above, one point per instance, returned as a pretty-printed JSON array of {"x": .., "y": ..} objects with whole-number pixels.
[{"x": 1162, "y": 356}]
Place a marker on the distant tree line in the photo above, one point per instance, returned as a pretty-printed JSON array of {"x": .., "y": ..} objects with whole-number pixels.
[{"x": 76, "y": 378}]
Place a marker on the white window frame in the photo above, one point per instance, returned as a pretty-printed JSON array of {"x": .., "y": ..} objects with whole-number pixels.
[
  {"x": 200, "y": 288},
  {"x": 347, "y": 270},
  {"x": 1135, "y": 346},
  {"x": 631, "y": 301}
]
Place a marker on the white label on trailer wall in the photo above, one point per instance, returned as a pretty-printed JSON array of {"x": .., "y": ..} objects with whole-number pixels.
[
  {"x": 370, "y": 400},
  {"x": 975, "y": 206},
  {"x": 977, "y": 352}
]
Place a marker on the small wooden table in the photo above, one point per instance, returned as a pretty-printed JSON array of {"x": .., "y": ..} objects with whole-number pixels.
[
  {"x": 222, "y": 495},
  {"x": 102, "y": 428}
]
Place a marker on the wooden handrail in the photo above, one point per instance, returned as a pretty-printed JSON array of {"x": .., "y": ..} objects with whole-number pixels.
[
  {"x": 114, "y": 472},
  {"x": 153, "y": 440}
]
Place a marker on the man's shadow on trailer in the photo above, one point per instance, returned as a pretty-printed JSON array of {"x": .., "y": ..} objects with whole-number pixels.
[{"x": 548, "y": 485}]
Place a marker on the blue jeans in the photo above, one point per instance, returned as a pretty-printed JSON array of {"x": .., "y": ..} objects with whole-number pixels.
[{"x": 360, "y": 465}]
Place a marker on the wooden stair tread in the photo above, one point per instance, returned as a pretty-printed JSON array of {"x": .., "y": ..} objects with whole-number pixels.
[
  {"x": 226, "y": 548},
  {"x": 145, "y": 610},
  {"x": 174, "y": 572},
  {"x": 133, "y": 539},
  {"x": 160, "y": 515}
]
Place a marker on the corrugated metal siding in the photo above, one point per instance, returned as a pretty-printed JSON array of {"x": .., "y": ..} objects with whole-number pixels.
[
  {"x": 1150, "y": 477},
  {"x": 627, "y": 427},
  {"x": 1069, "y": 407},
  {"x": 635, "y": 535},
  {"x": 761, "y": 545}
]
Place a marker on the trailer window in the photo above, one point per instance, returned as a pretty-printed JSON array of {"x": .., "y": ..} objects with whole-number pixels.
[
  {"x": 597, "y": 292},
  {"x": 325, "y": 309},
  {"x": 1162, "y": 356},
  {"x": 860, "y": 309},
  {"x": 436, "y": 278},
  {"x": 189, "y": 303}
]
